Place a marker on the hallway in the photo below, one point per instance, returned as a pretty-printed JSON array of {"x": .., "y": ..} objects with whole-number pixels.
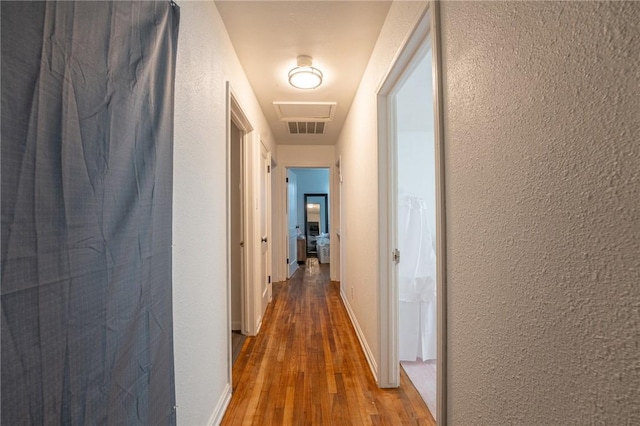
[{"x": 307, "y": 367}]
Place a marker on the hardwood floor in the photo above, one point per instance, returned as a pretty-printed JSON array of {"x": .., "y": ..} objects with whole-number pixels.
[{"x": 307, "y": 367}]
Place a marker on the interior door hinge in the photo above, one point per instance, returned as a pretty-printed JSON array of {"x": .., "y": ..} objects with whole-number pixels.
[
  {"x": 268, "y": 169},
  {"x": 396, "y": 256},
  {"x": 269, "y": 279},
  {"x": 287, "y": 180},
  {"x": 287, "y": 260}
]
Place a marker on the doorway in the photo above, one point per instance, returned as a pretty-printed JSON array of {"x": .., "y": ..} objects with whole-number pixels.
[
  {"x": 239, "y": 291},
  {"x": 412, "y": 220},
  {"x": 415, "y": 226},
  {"x": 308, "y": 227},
  {"x": 236, "y": 238}
]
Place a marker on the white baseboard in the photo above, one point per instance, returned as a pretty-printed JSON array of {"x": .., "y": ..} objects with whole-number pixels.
[
  {"x": 236, "y": 325},
  {"x": 221, "y": 407},
  {"x": 363, "y": 342}
]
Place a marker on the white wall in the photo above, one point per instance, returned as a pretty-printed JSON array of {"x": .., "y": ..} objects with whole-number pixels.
[
  {"x": 543, "y": 225},
  {"x": 306, "y": 155},
  {"x": 205, "y": 61},
  {"x": 357, "y": 146}
]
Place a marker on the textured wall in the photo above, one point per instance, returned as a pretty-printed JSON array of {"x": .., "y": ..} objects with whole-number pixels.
[
  {"x": 543, "y": 176},
  {"x": 205, "y": 62}
]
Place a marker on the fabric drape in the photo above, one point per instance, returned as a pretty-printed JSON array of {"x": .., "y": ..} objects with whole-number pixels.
[
  {"x": 416, "y": 281},
  {"x": 87, "y": 129}
]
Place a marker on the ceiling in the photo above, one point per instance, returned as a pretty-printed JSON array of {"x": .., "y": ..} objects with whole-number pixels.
[{"x": 269, "y": 35}]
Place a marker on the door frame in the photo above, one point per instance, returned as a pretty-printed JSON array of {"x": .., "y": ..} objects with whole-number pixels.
[
  {"x": 235, "y": 114},
  {"x": 426, "y": 31},
  {"x": 282, "y": 207}
]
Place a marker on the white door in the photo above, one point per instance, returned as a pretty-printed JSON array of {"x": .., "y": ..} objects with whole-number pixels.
[
  {"x": 265, "y": 278},
  {"x": 292, "y": 218}
]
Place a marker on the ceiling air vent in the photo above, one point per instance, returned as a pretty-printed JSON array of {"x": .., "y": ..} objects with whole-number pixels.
[
  {"x": 306, "y": 127},
  {"x": 305, "y": 118}
]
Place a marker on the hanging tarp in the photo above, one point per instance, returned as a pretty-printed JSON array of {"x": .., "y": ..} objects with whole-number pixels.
[{"x": 87, "y": 129}]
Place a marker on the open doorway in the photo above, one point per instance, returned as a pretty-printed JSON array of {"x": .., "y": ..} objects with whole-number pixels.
[
  {"x": 238, "y": 261},
  {"x": 415, "y": 227},
  {"x": 236, "y": 238},
  {"x": 308, "y": 215},
  {"x": 412, "y": 225}
]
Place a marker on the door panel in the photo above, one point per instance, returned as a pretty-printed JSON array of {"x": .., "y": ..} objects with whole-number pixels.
[
  {"x": 292, "y": 215},
  {"x": 265, "y": 287}
]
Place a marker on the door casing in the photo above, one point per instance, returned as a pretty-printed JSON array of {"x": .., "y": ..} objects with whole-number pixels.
[
  {"x": 252, "y": 179},
  {"x": 426, "y": 32}
]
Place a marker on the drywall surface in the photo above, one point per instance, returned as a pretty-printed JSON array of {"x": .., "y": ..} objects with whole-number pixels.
[
  {"x": 205, "y": 62},
  {"x": 306, "y": 155},
  {"x": 542, "y": 138},
  {"x": 357, "y": 146}
]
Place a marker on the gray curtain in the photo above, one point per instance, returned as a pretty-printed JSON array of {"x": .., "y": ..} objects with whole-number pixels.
[{"x": 87, "y": 129}]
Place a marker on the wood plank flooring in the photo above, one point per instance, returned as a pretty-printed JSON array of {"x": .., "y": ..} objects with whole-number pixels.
[{"x": 307, "y": 368}]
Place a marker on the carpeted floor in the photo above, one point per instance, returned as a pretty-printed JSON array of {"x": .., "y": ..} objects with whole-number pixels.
[{"x": 423, "y": 377}]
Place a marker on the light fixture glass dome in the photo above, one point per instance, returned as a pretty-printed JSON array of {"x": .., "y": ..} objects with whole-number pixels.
[{"x": 304, "y": 76}]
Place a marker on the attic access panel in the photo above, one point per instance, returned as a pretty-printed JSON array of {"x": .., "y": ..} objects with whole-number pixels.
[{"x": 305, "y": 111}]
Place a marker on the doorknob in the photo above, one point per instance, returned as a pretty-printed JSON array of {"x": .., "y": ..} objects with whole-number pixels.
[{"x": 264, "y": 239}]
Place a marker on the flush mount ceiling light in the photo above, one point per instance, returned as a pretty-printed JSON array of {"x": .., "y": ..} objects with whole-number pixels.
[{"x": 304, "y": 76}]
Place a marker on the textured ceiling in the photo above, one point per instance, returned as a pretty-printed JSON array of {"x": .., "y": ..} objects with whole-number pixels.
[{"x": 269, "y": 35}]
